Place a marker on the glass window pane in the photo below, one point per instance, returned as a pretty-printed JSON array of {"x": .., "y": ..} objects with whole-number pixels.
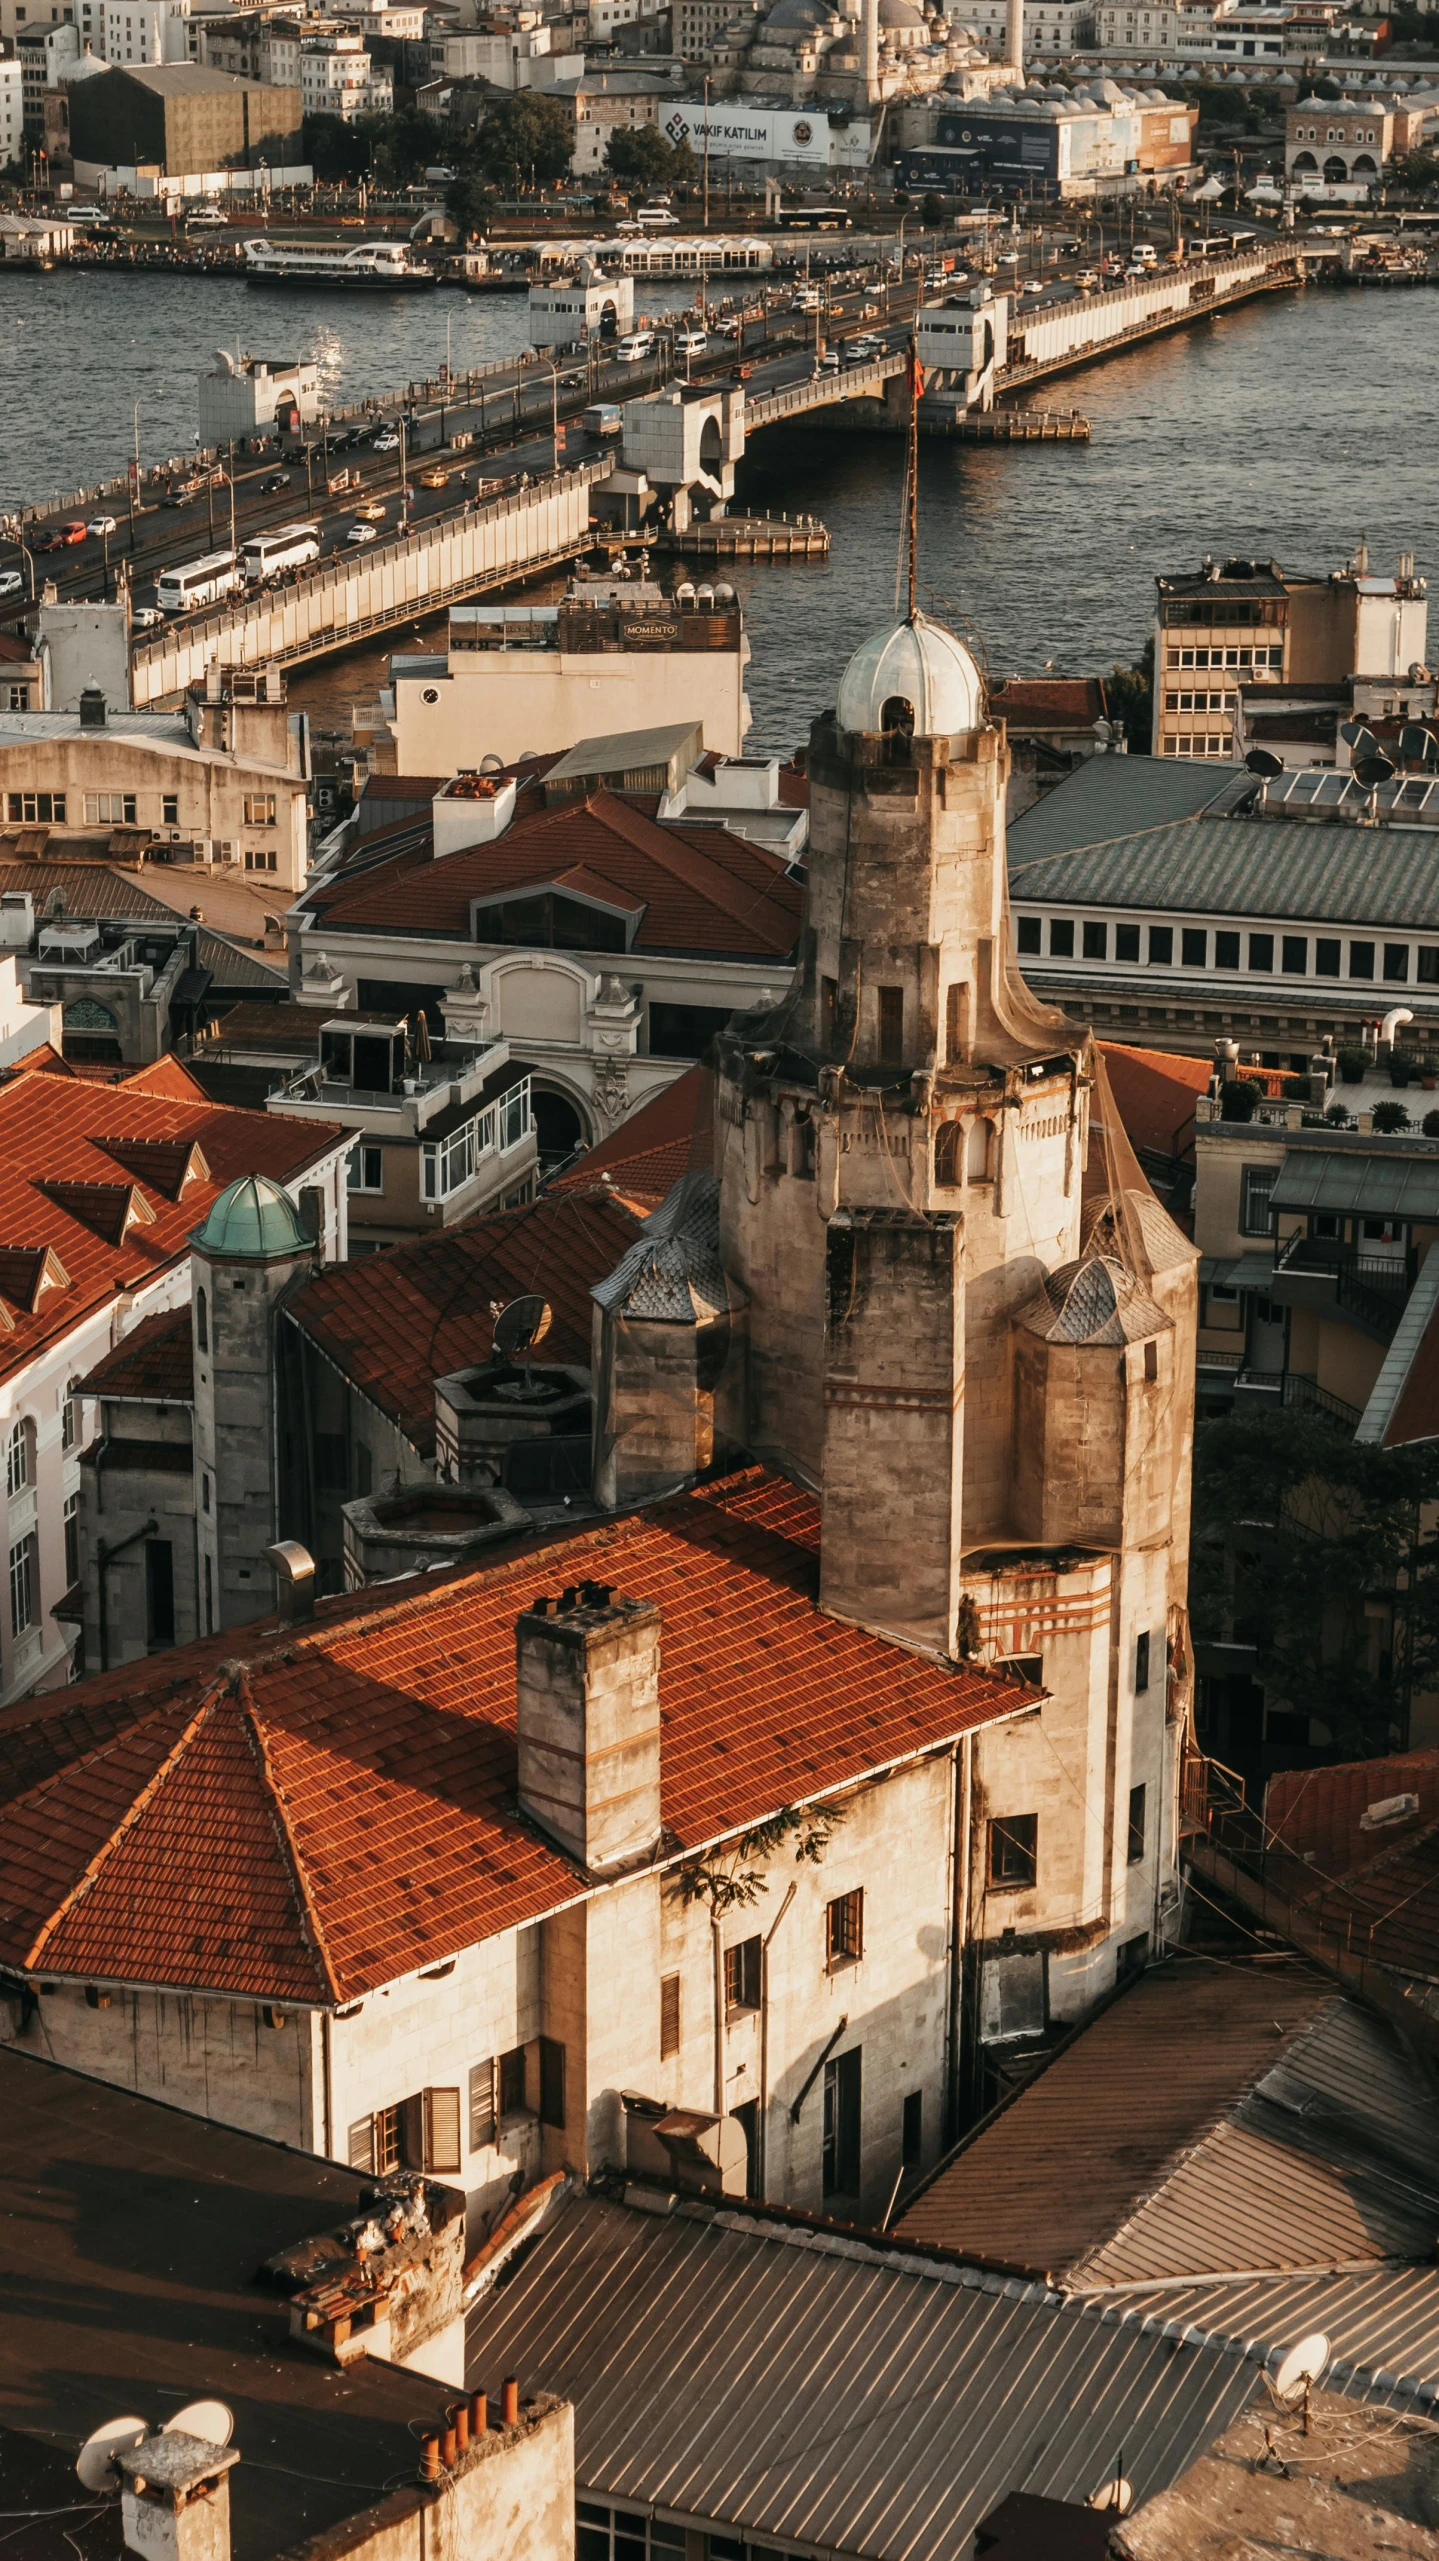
[{"x": 1226, "y": 951}]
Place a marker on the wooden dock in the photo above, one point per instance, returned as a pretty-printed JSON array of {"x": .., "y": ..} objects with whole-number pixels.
[
  {"x": 749, "y": 538},
  {"x": 1010, "y": 426}
]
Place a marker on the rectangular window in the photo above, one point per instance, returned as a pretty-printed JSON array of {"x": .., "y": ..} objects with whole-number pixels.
[
  {"x": 450, "y": 1163},
  {"x": 69, "y": 1420},
  {"x": 1161, "y": 946},
  {"x": 1194, "y": 947},
  {"x": 483, "y": 2119},
  {"x": 159, "y": 1593},
  {"x": 1141, "y": 1660},
  {"x": 1294, "y": 955},
  {"x": 891, "y": 1026},
  {"x": 1061, "y": 938},
  {"x": 1361, "y": 960},
  {"x": 669, "y": 2016},
  {"x": 1012, "y": 1998},
  {"x": 1396, "y": 963},
  {"x": 170, "y": 809},
  {"x": 1013, "y": 1851},
  {"x": 72, "y": 1540},
  {"x": 512, "y": 2082},
  {"x": 840, "y": 2142},
  {"x": 1096, "y": 942},
  {"x": 1261, "y": 951},
  {"x": 1126, "y": 942},
  {"x": 844, "y": 1929},
  {"x": 22, "y": 1586},
  {"x": 552, "y": 2081},
  {"x": 37, "y": 808},
  {"x": 386, "y": 2139},
  {"x": 1226, "y": 951},
  {"x": 109, "y": 809},
  {"x": 911, "y": 2130},
  {"x": 259, "y": 809},
  {"x": 741, "y": 1976},
  {"x": 1327, "y": 956},
  {"x": 1135, "y": 1852},
  {"x": 1256, "y": 1218},
  {"x": 1427, "y": 971},
  {"x": 365, "y": 1169},
  {"x": 828, "y": 990},
  {"x": 1028, "y": 933},
  {"x": 261, "y": 860}
]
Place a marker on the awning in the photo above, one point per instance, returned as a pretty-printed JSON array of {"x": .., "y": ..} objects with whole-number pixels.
[
  {"x": 1358, "y": 1186},
  {"x": 1236, "y": 1271}
]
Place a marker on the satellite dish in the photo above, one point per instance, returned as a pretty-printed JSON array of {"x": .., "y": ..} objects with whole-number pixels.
[
  {"x": 1359, "y": 737},
  {"x": 1416, "y": 745},
  {"x": 1114, "y": 2498},
  {"x": 1372, "y": 769},
  {"x": 211, "y": 2421},
  {"x": 521, "y": 1325},
  {"x": 1260, "y": 761},
  {"x": 95, "y": 2461},
  {"x": 1299, "y": 2367}
]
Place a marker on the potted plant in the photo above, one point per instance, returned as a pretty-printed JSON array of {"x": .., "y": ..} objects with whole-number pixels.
[
  {"x": 1352, "y": 1065},
  {"x": 1389, "y": 1117}
]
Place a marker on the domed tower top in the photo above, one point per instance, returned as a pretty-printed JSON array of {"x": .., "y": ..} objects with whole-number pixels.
[
  {"x": 252, "y": 1220},
  {"x": 914, "y": 678}
]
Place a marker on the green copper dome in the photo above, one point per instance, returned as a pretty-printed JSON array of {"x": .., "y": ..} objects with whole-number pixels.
[{"x": 252, "y": 1218}]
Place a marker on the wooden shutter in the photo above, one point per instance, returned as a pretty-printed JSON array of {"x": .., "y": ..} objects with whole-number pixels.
[
  {"x": 442, "y": 2129},
  {"x": 361, "y": 2151},
  {"x": 482, "y": 2104},
  {"x": 412, "y": 2131},
  {"x": 669, "y": 2015}
]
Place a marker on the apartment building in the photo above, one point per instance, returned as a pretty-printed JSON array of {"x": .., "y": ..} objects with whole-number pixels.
[
  {"x": 1053, "y": 29},
  {"x": 1243, "y": 622},
  {"x": 338, "y": 78}
]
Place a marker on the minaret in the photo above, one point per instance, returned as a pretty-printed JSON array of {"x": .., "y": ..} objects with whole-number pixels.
[
  {"x": 869, "y": 50},
  {"x": 1014, "y": 38}
]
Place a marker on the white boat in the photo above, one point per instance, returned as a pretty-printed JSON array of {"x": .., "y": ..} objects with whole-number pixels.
[{"x": 370, "y": 266}]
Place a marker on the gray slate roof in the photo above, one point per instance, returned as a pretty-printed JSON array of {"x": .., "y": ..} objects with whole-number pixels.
[
  {"x": 825, "y": 2392},
  {"x": 1246, "y": 867},
  {"x": 1366, "y": 1186},
  {"x": 1110, "y": 797}
]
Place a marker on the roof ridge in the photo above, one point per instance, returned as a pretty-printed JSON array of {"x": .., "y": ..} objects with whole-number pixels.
[
  {"x": 138, "y": 1805},
  {"x": 311, "y": 1927},
  {"x": 700, "y": 872}
]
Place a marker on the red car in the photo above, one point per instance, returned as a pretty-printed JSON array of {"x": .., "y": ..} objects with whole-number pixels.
[{"x": 73, "y": 533}]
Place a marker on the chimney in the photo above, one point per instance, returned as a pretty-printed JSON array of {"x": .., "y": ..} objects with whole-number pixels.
[
  {"x": 588, "y": 1696},
  {"x": 294, "y": 1581},
  {"x": 92, "y": 707},
  {"x": 175, "y": 2497},
  {"x": 472, "y": 810}
]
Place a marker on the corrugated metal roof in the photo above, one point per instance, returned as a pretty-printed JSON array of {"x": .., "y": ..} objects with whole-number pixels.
[
  {"x": 818, "y": 2392},
  {"x": 1382, "y": 2325},
  {"x": 1323, "y": 873},
  {"x": 1372, "y": 1186},
  {"x": 1113, "y": 796},
  {"x": 1215, "y": 2120}
]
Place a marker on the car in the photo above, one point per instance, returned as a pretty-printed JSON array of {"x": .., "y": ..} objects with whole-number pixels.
[
  {"x": 827, "y": 363},
  {"x": 1087, "y": 279},
  {"x": 206, "y": 218},
  {"x": 1007, "y": 258},
  {"x": 387, "y": 442},
  {"x": 726, "y": 329},
  {"x": 181, "y": 492},
  {"x": 274, "y": 480},
  {"x": 809, "y": 298},
  {"x": 73, "y": 533},
  {"x": 371, "y": 511},
  {"x": 435, "y": 478},
  {"x": 362, "y": 533},
  {"x": 12, "y": 582},
  {"x": 868, "y": 311},
  {"x": 145, "y": 617},
  {"x": 861, "y": 349},
  {"x": 99, "y": 526}
]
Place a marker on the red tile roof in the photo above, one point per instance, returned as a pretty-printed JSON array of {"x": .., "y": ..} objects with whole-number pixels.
[
  {"x": 702, "y": 890},
  {"x": 1049, "y": 702},
  {"x": 671, "y": 1135},
  {"x": 1374, "y": 1889},
  {"x": 393, "y": 1323},
  {"x": 156, "y": 1361},
  {"x": 338, "y": 1808},
  {"x": 87, "y": 1212},
  {"x": 1156, "y": 1094}
]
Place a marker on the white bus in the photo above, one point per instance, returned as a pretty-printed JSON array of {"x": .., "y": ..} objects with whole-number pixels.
[
  {"x": 199, "y": 582},
  {"x": 288, "y": 547}
]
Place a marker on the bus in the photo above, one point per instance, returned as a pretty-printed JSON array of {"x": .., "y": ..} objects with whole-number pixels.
[
  {"x": 813, "y": 218},
  {"x": 199, "y": 582},
  {"x": 285, "y": 547}
]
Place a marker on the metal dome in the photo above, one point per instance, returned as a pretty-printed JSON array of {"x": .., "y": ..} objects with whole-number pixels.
[
  {"x": 252, "y": 1220},
  {"x": 917, "y": 662}
]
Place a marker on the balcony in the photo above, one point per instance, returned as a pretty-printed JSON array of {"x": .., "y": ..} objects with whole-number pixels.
[
  {"x": 1260, "y": 1389},
  {"x": 1333, "y": 1279}
]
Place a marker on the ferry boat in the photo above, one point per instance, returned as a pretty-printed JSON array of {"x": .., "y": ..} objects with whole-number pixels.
[{"x": 370, "y": 266}]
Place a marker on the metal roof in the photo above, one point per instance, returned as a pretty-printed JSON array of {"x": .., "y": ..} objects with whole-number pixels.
[
  {"x": 808, "y": 2389},
  {"x": 1382, "y": 2324},
  {"x": 1363, "y": 1186},
  {"x": 1320, "y": 872},
  {"x": 1113, "y": 796}
]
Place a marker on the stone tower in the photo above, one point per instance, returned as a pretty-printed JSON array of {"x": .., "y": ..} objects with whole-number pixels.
[
  {"x": 960, "y": 1315},
  {"x": 249, "y": 1253}
]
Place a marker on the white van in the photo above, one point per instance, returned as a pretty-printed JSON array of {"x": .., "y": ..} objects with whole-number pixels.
[
  {"x": 634, "y": 349},
  {"x": 206, "y": 218},
  {"x": 657, "y": 218},
  {"x": 1145, "y": 254}
]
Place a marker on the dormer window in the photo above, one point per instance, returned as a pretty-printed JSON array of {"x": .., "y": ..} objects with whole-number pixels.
[{"x": 553, "y": 920}]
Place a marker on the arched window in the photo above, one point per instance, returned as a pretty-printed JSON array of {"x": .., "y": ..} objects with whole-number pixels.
[
  {"x": 17, "y": 1459},
  {"x": 202, "y": 1322},
  {"x": 948, "y": 1147},
  {"x": 977, "y": 1152}
]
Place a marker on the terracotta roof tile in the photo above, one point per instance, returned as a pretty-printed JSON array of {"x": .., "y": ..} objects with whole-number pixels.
[
  {"x": 340, "y": 1808},
  {"x": 1155, "y": 1092},
  {"x": 156, "y": 1361},
  {"x": 395, "y": 1322},
  {"x": 671, "y": 1135},
  {"x": 63, "y": 1144}
]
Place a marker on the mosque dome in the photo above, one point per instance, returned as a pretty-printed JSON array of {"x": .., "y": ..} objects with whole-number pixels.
[
  {"x": 917, "y": 663},
  {"x": 800, "y": 15},
  {"x": 1094, "y": 1300},
  {"x": 254, "y": 1218},
  {"x": 900, "y": 13}
]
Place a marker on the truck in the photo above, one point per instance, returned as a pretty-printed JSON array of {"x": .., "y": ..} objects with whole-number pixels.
[{"x": 603, "y": 418}]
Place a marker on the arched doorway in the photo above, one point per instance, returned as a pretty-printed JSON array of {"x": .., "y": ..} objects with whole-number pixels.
[
  {"x": 1335, "y": 171},
  {"x": 559, "y": 1129},
  {"x": 91, "y": 1032}
]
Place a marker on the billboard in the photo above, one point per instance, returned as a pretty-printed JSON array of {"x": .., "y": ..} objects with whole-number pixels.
[{"x": 791, "y": 135}]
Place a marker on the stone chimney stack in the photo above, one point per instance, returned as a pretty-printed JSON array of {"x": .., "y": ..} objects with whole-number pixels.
[
  {"x": 588, "y": 1696},
  {"x": 175, "y": 2497}
]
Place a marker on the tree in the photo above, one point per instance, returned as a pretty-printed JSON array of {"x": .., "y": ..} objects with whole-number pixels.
[
  {"x": 1418, "y": 171},
  {"x": 525, "y": 141},
  {"x": 641, "y": 156},
  {"x": 467, "y": 202},
  {"x": 1299, "y": 1532},
  {"x": 403, "y": 144},
  {"x": 339, "y": 153},
  {"x": 1129, "y": 693}
]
